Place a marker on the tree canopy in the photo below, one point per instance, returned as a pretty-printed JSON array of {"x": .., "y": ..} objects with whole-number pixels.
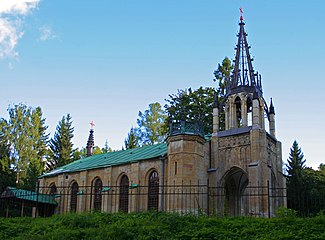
[
  {"x": 192, "y": 106},
  {"x": 151, "y": 125},
  {"x": 24, "y": 135},
  {"x": 61, "y": 145}
]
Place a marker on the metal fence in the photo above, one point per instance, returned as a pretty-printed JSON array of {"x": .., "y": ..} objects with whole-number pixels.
[{"x": 194, "y": 199}]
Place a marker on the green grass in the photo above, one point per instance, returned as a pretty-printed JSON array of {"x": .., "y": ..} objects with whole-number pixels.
[{"x": 160, "y": 226}]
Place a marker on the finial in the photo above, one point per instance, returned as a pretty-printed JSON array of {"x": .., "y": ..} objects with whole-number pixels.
[
  {"x": 241, "y": 14},
  {"x": 92, "y": 125},
  {"x": 271, "y": 111}
]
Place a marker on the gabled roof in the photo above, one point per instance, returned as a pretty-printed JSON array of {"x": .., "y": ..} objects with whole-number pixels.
[
  {"x": 111, "y": 159},
  {"x": 28, "y": 195}
]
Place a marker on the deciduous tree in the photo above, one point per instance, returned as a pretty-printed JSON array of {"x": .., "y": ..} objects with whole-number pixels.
[
  {"x": 25, "y": 134},
  {"x": 192, "y": 106},
  {"x": 151, "y": 125}
]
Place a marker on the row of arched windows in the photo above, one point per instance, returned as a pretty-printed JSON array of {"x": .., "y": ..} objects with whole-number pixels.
[{"x": 153, "y": 193}]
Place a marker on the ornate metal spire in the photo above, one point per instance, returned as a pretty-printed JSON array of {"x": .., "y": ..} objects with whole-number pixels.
[
  {"x": 243, "y": 76},
  {"x": 91, "y": 141}
]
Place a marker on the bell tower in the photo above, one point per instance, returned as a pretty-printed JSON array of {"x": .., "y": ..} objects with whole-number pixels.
[{"x": 247, "y": 158}]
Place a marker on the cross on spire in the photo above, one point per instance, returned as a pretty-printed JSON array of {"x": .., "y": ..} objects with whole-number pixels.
[
  {"x": 92, "y": 125},
  {"x": 241, "y": 14}
]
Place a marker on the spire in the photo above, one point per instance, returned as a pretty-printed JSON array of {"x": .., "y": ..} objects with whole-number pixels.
[
  {"x": 271, "y": 111},
  {"x": 90, "y": 142},
  {"x": 243, "y": 75}
]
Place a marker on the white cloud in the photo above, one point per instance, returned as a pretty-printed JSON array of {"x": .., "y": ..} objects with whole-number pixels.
[
  {"x": 46, "y": 33},
  {"x": 12, "y": 13},
  {"x": 21, "y": 7}
]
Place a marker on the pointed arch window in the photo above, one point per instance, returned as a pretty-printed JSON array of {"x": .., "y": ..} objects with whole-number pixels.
[
  {"x": 124, "y": 194},
  {"x": 53, "y": 189},
  {"x": 239, "y": 120},
  {"x": 73, "y": 197},
  {"x": 249, "y": 111},
  {"x": 98, "y": 195},
  {"x": 153, "y": 191}
]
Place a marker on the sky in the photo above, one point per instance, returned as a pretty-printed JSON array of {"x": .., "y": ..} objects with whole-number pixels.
[{"x": 106, "y": 60}]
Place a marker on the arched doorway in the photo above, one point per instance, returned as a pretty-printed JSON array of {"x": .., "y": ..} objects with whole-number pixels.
[
  {"x": 73, "y": 197},
  {"x": 153, "y": 191},
  {"x": 124, "y": 194},
  {"x": 235, "y": 183},
  {"x": 98, "y": 195}
]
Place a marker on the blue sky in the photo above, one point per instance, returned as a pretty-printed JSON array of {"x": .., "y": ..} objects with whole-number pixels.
[{"x": 106, "y": 60}]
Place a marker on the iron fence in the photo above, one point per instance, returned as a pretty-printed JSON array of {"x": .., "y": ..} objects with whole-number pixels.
[{"x": 262, "y": 201}]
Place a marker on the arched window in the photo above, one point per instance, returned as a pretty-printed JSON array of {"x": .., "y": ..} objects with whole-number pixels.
[
  {"x": 98, "y": 194},
  {"x": 153, "y": 191},
  {"x": 239, "y": 120},
  {"x": 124, "y": 194},
  {"x": 249, "y": 111},
  {"x": 53, "y": 189},
  {"x": 73, "y": 197}
]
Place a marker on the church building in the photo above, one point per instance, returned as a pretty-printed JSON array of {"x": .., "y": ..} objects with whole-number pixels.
[{"x": 235, "y": 172}]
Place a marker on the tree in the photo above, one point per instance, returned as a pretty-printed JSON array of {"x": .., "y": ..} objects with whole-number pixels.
[
  {"x": 222, "y": 76},
  {"x": 192, "y": 106},
  {"x": 25, "y": 135},
  {"x": 61, "y": 145},
  {"x": 97, "y": 150},
  {"x": 106, "y": 148},
  {"x": 321, "y": 167},
  {"x": 151, "y": 125},
  {"x": 132, "y": 140},
  {"x": 295, "y": 178},
  {"x": 296, "y": 163},
  {"x": 7, "y": 175}
]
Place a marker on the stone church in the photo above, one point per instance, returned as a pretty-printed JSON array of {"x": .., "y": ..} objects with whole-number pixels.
[{"x": 236, "y": 171}]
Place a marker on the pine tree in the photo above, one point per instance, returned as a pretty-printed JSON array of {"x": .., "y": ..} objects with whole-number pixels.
[
  {"x": 296, "y": 164},
  {"x": 296, "y": 179},
  {"x": 61, "y": 145},
  {"x": 132, "y": 140}
]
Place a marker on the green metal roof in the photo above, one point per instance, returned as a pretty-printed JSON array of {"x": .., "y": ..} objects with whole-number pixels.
[
  {"x": 111, "y": 159},
  {"x": 28, "y": 195}
]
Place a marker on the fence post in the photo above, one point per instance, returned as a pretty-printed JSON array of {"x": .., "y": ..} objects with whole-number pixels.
[
  {"x": 208, "y": 198},
  {"x": 268, "y": 199},
  {"x": 37, "y": 194}
]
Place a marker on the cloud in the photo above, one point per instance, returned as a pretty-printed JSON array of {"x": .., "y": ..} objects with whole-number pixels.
[
  {"x": 46, "y": 33},
  {"x": 12, "y": 13},
  {"x": 21, "y": 7}
]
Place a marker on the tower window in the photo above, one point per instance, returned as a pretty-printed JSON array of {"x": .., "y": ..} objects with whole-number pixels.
[
  {"x": 239, "y": 120},
  {"x": 175, "y": 168}
]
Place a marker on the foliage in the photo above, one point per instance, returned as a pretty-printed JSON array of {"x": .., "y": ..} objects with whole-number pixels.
[
  {"x": 192, "y": 106},
  {"x": 151, "y": 125},
  {"x": 159, "y": 225},
  {"x": 222, "y": 76},
  {"x": 132, "y": 140},
  {"x": 24, "y": 134},
  {"x": 305, "y": 186},
  {"x": 61, "y": 145},
  {"x": 106, "y": 148},
  {"x": 283, "y": 212}
]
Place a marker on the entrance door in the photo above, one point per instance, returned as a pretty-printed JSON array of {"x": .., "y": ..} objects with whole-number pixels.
[{"x": 236, "y": 181}]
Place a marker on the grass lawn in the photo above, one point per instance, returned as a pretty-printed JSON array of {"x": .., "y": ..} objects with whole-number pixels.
[{"x": 153, "y": 225}]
